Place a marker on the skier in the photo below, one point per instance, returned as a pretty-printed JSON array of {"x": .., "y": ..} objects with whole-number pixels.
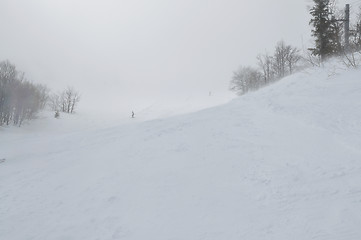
[{"x": 132, "y": 114}]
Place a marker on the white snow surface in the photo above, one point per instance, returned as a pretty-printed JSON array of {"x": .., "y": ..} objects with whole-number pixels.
[{"x": 280, "y": 163}]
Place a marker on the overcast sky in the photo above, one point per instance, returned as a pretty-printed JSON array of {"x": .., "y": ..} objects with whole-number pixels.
[{"x": 140, "y": 49}]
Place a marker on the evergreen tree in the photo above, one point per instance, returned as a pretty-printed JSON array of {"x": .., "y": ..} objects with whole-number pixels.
[
  {"x": 323, "y": 29},
  {"x": 336, "y": 34}
]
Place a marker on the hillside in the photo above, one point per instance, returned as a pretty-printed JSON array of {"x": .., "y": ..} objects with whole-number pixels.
[{"x": 280, "y": 163}]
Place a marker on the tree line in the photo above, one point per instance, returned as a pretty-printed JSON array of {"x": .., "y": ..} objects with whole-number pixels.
[
  {"x": 21, "y": 99},
  {"x": 284, "y": 61},
  {"x": 328, "y": 30}
]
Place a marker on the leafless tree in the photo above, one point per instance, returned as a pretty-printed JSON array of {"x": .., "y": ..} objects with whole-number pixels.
[
  {"x": 71, "y": 98},
  {"x": 43, "y": 92},
  {"x": 280, "y": 59},
  {"x": 285, "y": 58},
  {"x": 312, "y": 60},
  {"x": 351, "y": 59},
  {"x": 66, "y": 101},
  {"x": 355, "y": 35},
  {"x": 292, "y": 58},
  {"x": 245, "y": 79},
  {"x": 55, "y": 102},
  {"x": 265, "y": 64},
  {"x": 19, "y": 98},
  {"x": 284, "y": 61}
]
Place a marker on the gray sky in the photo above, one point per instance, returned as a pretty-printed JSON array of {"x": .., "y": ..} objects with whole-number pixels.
[{"x": 138, "y": 50}]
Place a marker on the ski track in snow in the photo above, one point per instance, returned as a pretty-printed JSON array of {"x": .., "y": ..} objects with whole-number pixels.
[{"x": 280, "y": 163}]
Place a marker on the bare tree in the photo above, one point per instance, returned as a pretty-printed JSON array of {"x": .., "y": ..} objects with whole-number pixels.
[
  {"x": 55, "y": 102},
  {"x": 75, "y": 98},
  {"x": 292, "y": 58},
  {"x": 43, "y": 92},
  {"x": 271, "y": 68},
  {"x": 285, "y": 58},
  {"x": 280, "y": 59},
  {"x": 66, "y": 101},
  {"x": 71, "y": 98},
  {"x": 265, "y": 64},
  {"x": 351, "y": 59},
  {"x": 19, "y": 98},
  {"x": 312, "y": 60},
  {"x": 355, "y": 36},
  {"x": 245, "y": 79}
]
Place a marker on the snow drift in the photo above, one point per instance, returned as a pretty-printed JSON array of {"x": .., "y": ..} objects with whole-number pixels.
[{"x": 280, "y": 163}]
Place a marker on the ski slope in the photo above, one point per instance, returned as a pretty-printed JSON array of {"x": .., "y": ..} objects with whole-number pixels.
[{"x": 280, "y": 163}]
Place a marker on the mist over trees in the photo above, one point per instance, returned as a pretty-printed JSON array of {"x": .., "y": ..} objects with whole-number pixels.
[
  {"x": 21, "y": 99},
  {"x": 66, "y": 101},
  {"x": 283, "y": 62}
]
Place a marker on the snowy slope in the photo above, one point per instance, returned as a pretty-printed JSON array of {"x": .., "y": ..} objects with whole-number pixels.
[{"x": 280, "y": 163}]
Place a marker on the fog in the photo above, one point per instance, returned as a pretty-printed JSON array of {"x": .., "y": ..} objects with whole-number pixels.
[{"x": 124, "y": 54}]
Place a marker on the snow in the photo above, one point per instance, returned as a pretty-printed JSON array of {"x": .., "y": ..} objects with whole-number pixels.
[{"x": 280, "y": 163}]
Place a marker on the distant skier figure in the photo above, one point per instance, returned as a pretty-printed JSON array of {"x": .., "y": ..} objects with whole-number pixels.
[{"x": 133, "y": 114}]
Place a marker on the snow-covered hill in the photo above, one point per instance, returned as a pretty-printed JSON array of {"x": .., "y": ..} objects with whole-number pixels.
[{"x": 280, "y": 163}]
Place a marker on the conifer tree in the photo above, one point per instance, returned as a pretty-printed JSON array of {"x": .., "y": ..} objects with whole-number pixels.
[{"x": 325, "y": 36}]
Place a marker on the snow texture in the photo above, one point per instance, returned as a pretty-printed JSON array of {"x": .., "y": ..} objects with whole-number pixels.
[{"x": 280, "y": 163}]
